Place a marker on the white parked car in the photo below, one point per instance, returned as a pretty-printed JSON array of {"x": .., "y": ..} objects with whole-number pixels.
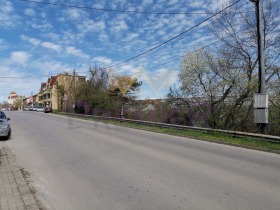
[
  {"x": 40, "y": 109},
  {"x": 5, "y": 129}
]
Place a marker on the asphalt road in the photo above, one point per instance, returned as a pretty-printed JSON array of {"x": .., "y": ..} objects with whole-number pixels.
[{"x": 75, "y": 164}]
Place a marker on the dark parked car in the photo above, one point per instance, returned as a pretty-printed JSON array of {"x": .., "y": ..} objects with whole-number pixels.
[
  {"x": 5, "y": 129},
  {"x": 48, "y": 109}
]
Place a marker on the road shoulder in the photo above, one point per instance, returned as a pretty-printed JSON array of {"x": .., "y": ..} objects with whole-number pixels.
[{"x": 14, "y": 191}]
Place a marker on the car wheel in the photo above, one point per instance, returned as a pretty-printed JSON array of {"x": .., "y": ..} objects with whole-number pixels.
[{"x": 9, "y": 135}]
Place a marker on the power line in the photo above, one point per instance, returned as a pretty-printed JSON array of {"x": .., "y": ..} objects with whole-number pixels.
[
  {"x": 158, "y": 49},
  {"x": 174, "y": 59},
  {"x": 116, "y": 10},
  {"x": 34, "y": 76},
  {"x": 189, "y": 53},
  {"x": 22, "y": 77},
  {"x": 177, "y": 58},
  {"x": 153, "y": 67},
  {"x": 169, "y": 40},
  {"x": 21, "y": 82},
  {"x": 136, "y": 11},
  {"x": 201, "y": 48},
  {"x": 174, "y": 41}
]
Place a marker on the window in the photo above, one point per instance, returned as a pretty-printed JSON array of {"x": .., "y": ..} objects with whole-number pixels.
[{"x": 2, "y": 115}]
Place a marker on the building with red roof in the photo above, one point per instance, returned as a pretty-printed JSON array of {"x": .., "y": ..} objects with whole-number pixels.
[{"x": 53, "y": 92}]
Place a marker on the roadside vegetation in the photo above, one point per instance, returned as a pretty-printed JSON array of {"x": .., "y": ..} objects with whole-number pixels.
[
  {"x": 216, "y": 83},
  {"x": 210, "y": 136},
  {"x": 218, "y": 137}
]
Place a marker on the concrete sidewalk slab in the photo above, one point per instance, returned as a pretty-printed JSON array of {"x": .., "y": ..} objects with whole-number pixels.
[{"x": 14, "y": 191}]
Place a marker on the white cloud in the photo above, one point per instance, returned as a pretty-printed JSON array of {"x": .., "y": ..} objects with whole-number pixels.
[
  {"x": 172, "y": 2},
  {"x": 37, "y": 42},
  {"x": 74, "y": 51},
  {"x": 29, "y": 12},
  {"x": 3, "y": 44},
  {"x": 20, "y": 57},
  {"x": 131, "y": 36},
  {"x": 43, "y": 15},
  {"x": 219, "y": 5},
  {"x": 6, "y": 7},
  {"x": 43, "y": 27},
  {"x": 103, "y": 37},
  {"x": 30, "y": 40},
  {"x": 90, "y": 25},
  {"x": 52, "y": 46},
  {"x": 70, "y": 36},
  {"x": 98, "y": 5},
  {"x": 71, "y": 50},
  {"x": 197, "y": 4},
  {"x": 146, "y": 2},
  {"x": 102, "y": 60},
  {"x": 48, "y": 67},
  {"x": 23, "y": 86},
  {"x": 118, "y": 26},
  {"x": 61, "y": 19},
  {"x": 53, "y": 36},
  {"x": 128, "y": 69},
  {"x": 73, "y": 14},
  {"x": 7, "y": 18}
]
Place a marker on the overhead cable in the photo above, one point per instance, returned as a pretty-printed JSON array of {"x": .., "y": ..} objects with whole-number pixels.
[
  {"x": 116, "y": 10},
  {"x": 173, "y": 38}
]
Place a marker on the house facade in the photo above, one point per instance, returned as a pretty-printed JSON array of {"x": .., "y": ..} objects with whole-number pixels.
[
  {"x": 15, "y": 101},
  {"x": 12, "y": 97},
  {"x": 58, "y": 90}
]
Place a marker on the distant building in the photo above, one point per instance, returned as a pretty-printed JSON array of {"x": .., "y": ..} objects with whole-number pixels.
[
  {"x": 12, "y": 97},
  {"x": 58, "y": 88}
]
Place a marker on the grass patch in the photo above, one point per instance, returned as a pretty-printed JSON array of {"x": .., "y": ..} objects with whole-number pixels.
[{"x": 247, "y": 142}]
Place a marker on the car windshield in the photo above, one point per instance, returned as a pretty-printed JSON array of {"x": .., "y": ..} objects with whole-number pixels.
[{"x": 2, "y": 115}]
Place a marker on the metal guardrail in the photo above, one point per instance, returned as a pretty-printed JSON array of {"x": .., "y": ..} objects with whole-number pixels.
[{"x": 270, "y": 138}]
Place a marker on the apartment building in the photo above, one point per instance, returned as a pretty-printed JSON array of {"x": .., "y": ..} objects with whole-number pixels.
[{"x": 58, "y": 91}]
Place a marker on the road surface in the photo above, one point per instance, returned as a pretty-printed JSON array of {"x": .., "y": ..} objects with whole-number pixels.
[{"x": 76, "y": 164}]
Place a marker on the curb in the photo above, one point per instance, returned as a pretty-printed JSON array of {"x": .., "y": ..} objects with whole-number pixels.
[{"x": 25, "y": 192}]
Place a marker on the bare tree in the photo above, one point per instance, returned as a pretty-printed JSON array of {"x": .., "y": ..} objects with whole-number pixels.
[{"x": 226, "y": 76}]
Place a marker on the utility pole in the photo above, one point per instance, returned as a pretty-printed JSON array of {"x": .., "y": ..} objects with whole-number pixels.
[
  {"x": 74, "y": 105},
  {"x": 262, "y": 88},
  {"x": 10, "y": 101},
  {"x": 32, "y": 99},
  {"x": 260, "y": 99}
]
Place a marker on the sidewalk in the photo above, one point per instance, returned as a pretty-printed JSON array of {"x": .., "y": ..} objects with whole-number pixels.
[{"x": 14, "y": 192}]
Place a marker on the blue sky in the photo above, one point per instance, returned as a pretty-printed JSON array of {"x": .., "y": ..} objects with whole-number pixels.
[{"x": 37, "y": 41}]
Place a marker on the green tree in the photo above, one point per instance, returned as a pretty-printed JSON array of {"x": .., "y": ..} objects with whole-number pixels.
[
  {"x": 95, "y": 91},
  {"x": 123, "y": 89},
  {"x": 124, "y": 86},
  {"x": 17, "y": 104}
]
